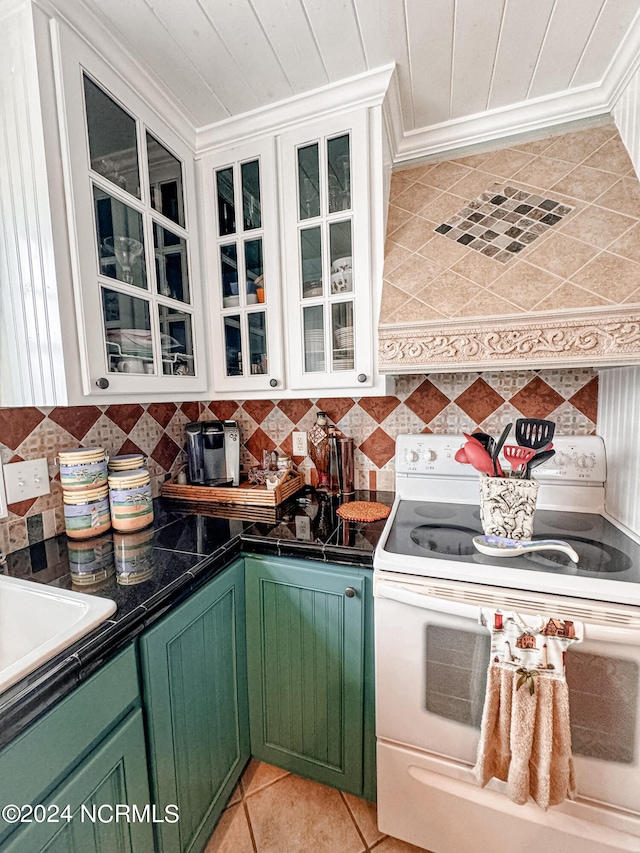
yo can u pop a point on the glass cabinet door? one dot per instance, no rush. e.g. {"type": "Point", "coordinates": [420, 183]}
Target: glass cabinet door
{"type": "Point", "coordinates": [141, 242]}
{"type": "Point", "coordinates": [327, 244]}
{"type": "Point", "coordinates": [245, 290]}
{"type": "Point", "coordinates": [326, 254]}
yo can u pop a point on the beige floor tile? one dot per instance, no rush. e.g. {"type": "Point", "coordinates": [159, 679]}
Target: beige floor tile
{"type": "Point", "coordinates": [394, 845]}
{"type": "Point", "coordinates": [232, 833]}
{"type": "Point", "coordinates": [366, 816]}
{"type": "Point", "coordinates": [296, 816]}
{"type": "Point", "coordinates": [258, 775]}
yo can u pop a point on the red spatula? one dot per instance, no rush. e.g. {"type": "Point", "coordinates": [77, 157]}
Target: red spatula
{"type": "Point", "coordinates": [518, 456]}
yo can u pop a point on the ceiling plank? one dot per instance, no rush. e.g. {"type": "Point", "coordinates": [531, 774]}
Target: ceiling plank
{"type": "Point", "coordinates": [245, 41]}
{"type": "Point", "coordinates": [566, 39]}
{"type": "Point", "coordinates": [287, 28]}
{"type": "Point", "coordinates": [384, 35]}
{"type": "Point", "coordinates": [159, 51]}
{"type": "Point", "coordinates": [477, 30]}
{"type": "Point", "coordinates": [430, 33]}
{"type": "Point", "coordinates": [613, 23]}
{"type": "Point", "coordinates": [338, 37]}
{"type": "Point", "coordinates": [523, 30]}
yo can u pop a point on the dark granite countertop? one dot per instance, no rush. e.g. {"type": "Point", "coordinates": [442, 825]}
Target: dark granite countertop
{"type": "Point", "coordinates": [163, 566]}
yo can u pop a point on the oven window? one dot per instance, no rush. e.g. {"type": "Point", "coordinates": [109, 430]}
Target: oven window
{"type": "Point", "coordinates": [603, 698]}
{"type": "Point", "coordinates": [603, 692]}
{"type": "Point", "coordinates": [456, 675]}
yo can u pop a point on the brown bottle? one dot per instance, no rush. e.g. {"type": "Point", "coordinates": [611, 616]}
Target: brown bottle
{"type": "Point", "coordinates": [319, 449]}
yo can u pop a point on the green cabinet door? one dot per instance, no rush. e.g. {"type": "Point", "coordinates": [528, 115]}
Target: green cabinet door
{"type": "Point", "coordinates": [115, 773]}
{"type": "Point", "coordinates": [194, 686]}
{"type": "Point", "coordinates": [306, 666]}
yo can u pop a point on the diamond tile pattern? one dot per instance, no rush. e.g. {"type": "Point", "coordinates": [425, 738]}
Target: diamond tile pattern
{"type": "Point", "coordinates": [558, 230]}
{"type": "Point", "coordinates": [503, 220]}
{"type": "Point", "coordinates": [442, 403]}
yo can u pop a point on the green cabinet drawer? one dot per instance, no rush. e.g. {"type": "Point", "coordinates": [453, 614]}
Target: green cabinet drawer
{"type": "Point", "coordinates": [40, 758]}
{"type": "Point", "coordinates": [306, 665]}
{"type": "Point", "coordinates": [194, 682]}
{"type": "Point", "coordinates": [115, 773]}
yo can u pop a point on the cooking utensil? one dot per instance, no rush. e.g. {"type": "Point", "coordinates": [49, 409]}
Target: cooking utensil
{"type": "Point", "coordinates": [473, 439]}
{"type": "Point", "coordinates": [479, 458]}
{"type": "Point", "coordinates": [497, 447]}
{"type": "Point", "coordinates": [498, 546]}
{"type": "Point", "coordinates": [534, 432]}
{"type": "Point", "coordinates": [538, 459]}
{"type": "Point", "coordinates": [486, 440]}
{"type": "Point", "coordinates": [461, 457]}
{"type": "Point", "coordinates": [518, 456]}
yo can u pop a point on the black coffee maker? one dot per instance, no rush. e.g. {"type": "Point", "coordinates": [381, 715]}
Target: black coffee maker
{"type": "Point", "coordinates": [213, 448]}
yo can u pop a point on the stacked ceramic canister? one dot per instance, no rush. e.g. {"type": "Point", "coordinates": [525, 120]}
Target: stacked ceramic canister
{"type": "Point", "coordinates": [98, 495]}
{"type": "Point", "coordinates": [129, 493]}
{"type": "Point", "coordinates": [85, 492]}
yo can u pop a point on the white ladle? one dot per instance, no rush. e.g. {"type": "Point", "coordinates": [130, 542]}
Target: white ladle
{"type": "Point", "coordinates": [498, 546]}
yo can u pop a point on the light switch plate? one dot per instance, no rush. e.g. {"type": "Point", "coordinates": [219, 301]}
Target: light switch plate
{"type": "Point", "coordinates": [299, 441]}
{"type": "Point", "coordinates": [24, 480]}
{"type": "Point", "coordinates": [4, 512]}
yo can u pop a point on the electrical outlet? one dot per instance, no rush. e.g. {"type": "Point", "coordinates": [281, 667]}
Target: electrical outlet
{"type": "Point", "coordinates": [24, 480]}
{"type": "Point", "coordinates": [299, 444]}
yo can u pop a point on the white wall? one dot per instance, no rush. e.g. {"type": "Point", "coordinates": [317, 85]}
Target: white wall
{"type": "Point", "coordinates": [619, 426]}
{"type": "Point", "coordinates": [626, 114]}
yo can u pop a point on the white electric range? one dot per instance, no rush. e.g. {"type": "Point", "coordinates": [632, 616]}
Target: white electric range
{"type": "Point", "coordinates": [432, 654]}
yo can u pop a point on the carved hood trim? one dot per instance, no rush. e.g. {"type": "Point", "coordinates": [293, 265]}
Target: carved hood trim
{"type": "Point", "coordinates": [597, 340]}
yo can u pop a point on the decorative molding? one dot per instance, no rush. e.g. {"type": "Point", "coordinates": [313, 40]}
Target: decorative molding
{"type": "Point", "coordinates": [499, 125]}
{"type": "Point", "coordinates": [363, 90]}
{"type": "Point", "coordinates": [593, 341]}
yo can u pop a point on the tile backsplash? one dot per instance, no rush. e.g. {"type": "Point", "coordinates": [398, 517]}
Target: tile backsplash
{"type": "Point", "coordinates": [439, 403]}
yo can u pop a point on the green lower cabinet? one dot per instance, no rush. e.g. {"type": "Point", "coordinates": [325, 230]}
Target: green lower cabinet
{"type": "Point", "coordinates": [309, 673]}
{"type": "Point", "coordinates": [195, 696]}
{"type": "Point", "coordinates": [81, 813]}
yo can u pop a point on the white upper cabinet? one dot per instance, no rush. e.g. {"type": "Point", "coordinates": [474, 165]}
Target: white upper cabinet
{"type": "Point", "coordinates": [240, 219]}
{"type": "Point", "coordinates": [294, 231]}
{"type": "Point", "coordinates": [133, 225]}
{"type": "Point", "coordinates": [327, 283]}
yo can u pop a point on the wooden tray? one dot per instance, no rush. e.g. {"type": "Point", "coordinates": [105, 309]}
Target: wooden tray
{"type": "Point", "coordinates": [246, 494]}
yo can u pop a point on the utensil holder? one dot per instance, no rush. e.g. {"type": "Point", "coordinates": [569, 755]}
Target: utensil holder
{"type": "Point", "coordinates": [507, 506]}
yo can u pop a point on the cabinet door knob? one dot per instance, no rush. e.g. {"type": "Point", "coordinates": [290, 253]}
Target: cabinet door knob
{"type": "Point", "coordinates": [362, 377]}
{"type": "Point", "coordinates": [102, 383]}
{"type": "Point", "coordinates": [273, 382]}
{"type": "Point", "coordinates": [349, 592]}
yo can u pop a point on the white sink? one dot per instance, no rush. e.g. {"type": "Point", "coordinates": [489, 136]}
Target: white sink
{"type": "Point", "coordinates": [37, 622]}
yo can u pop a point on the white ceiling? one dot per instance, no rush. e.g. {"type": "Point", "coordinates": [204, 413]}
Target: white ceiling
{"type": "Point", "coordinates": [455, 59]}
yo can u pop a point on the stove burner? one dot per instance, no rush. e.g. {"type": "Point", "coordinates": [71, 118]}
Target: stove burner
{"type": "Point", "coordinates": [445, 540]}
{"type": "Point", "coordinates": [567, 521]}
{"type": "Point", "coordinates": [436, 512]}
{"type": "Point", "coordinates": [595, 557]}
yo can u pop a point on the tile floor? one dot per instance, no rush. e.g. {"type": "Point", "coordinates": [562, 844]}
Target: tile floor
{"type": "Point", "coordinates": [272, 811]}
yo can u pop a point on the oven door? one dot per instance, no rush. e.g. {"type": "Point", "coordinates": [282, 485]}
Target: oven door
{"type": "Point", "coordinates": [431, 662]}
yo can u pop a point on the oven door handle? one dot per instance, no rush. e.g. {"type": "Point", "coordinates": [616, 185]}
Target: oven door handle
{"type": "Point", "coordinates": [411, 594]}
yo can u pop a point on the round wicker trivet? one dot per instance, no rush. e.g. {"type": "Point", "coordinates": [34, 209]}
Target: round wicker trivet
{"type": "Point", "coordinates": [363, 511]}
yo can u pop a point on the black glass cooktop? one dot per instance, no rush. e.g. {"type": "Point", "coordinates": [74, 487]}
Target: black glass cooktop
{"type": "Point", "coordinates": [445, 531]}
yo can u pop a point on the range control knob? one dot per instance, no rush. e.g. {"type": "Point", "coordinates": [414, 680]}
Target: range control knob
{"type": "Point", "coordinates": [562, 460]}
{"type": "Point", "coordinates": [430, 455]}
{"type": "Point", "coordinates": [585, 461]}
{"type": "Point", "coordinates": [411, 455]}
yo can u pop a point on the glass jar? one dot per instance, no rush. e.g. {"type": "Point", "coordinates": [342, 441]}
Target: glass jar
{"type": "Point", "coordinates": [319, 449]}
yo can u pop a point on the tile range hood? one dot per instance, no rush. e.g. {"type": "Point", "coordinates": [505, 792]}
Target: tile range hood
{"type": "Point", "coordinates": [525, 256]}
